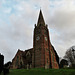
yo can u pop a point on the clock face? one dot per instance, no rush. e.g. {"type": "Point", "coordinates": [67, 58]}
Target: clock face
{"type": "Point", "coordinates": [37, 38]}
{"type": "Point", "coordinates": [46, 38]}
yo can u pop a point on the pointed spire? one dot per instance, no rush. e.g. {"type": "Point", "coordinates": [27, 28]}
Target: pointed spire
{"type": "Point", "coordinates": [40, 19]}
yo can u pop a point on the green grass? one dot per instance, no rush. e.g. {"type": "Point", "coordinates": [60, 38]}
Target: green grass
{"type": "Point", "coordinates": [42, 72]}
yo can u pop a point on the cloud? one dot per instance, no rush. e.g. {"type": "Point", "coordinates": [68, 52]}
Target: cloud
{"type": "Point", "coordinates": [7, 10]}
{"type": "Point", "coordinates": [63, 23]}
{"type": "Point", "coordinates": [0, 3]}
{"type": "Point", "coordinates": [16, 29]}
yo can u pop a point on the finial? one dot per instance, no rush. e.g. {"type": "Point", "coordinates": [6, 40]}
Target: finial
{"type": "Point", "coordinates": [40, 8]}
{"type": "Point", "coordinates": [46, 25]}
{"type": "Point", "coordinates": [35, 25]}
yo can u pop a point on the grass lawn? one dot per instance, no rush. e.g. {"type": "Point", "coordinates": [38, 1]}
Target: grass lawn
{"type": "Point", "coordinates": [42, 72]}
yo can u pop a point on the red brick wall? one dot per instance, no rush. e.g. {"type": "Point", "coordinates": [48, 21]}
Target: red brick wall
{"type": "Point", "coordinates": [43, 54]}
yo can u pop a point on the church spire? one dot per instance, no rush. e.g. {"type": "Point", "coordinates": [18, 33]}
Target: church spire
{"type": "Point", "coordinates": [40, 19]}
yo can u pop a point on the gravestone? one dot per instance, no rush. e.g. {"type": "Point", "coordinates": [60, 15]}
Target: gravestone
{"type": "Point", "coordinates": [27, 66]}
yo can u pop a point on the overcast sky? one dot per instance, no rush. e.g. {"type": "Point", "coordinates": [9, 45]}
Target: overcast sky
{"type": "Point", "coordinates": [17, 19]}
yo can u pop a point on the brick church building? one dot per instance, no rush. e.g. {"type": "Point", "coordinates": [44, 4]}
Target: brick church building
{"type": "Point", "coordinates": [42, 55]}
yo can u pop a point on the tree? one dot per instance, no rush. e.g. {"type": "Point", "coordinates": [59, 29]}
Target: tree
{"type": "Point", "coordinates": [63, 63]}
{"type": "Point", "coordinates": [70, 56]}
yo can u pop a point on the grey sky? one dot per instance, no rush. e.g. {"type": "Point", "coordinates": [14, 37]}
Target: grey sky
{"type": "Point", "coordinates": [18, 17]}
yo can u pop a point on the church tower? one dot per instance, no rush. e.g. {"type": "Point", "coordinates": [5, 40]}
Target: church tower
{"type": "Point", "coordinates": [43, 55]}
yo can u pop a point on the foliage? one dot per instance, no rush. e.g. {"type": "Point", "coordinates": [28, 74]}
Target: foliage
{"type": "Point", "coordinates": [70, 56]}
{"type": "Point", "coordinates": [63, 63]}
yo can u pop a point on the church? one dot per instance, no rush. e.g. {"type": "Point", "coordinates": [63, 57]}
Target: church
{"type": "Point", "coordinates": [42, 55]}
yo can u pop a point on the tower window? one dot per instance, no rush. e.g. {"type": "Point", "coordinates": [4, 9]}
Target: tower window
{"type": "Point", "coordinates": [47, 60]}
{"type": "Point", "coordinates": [40, 24]}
